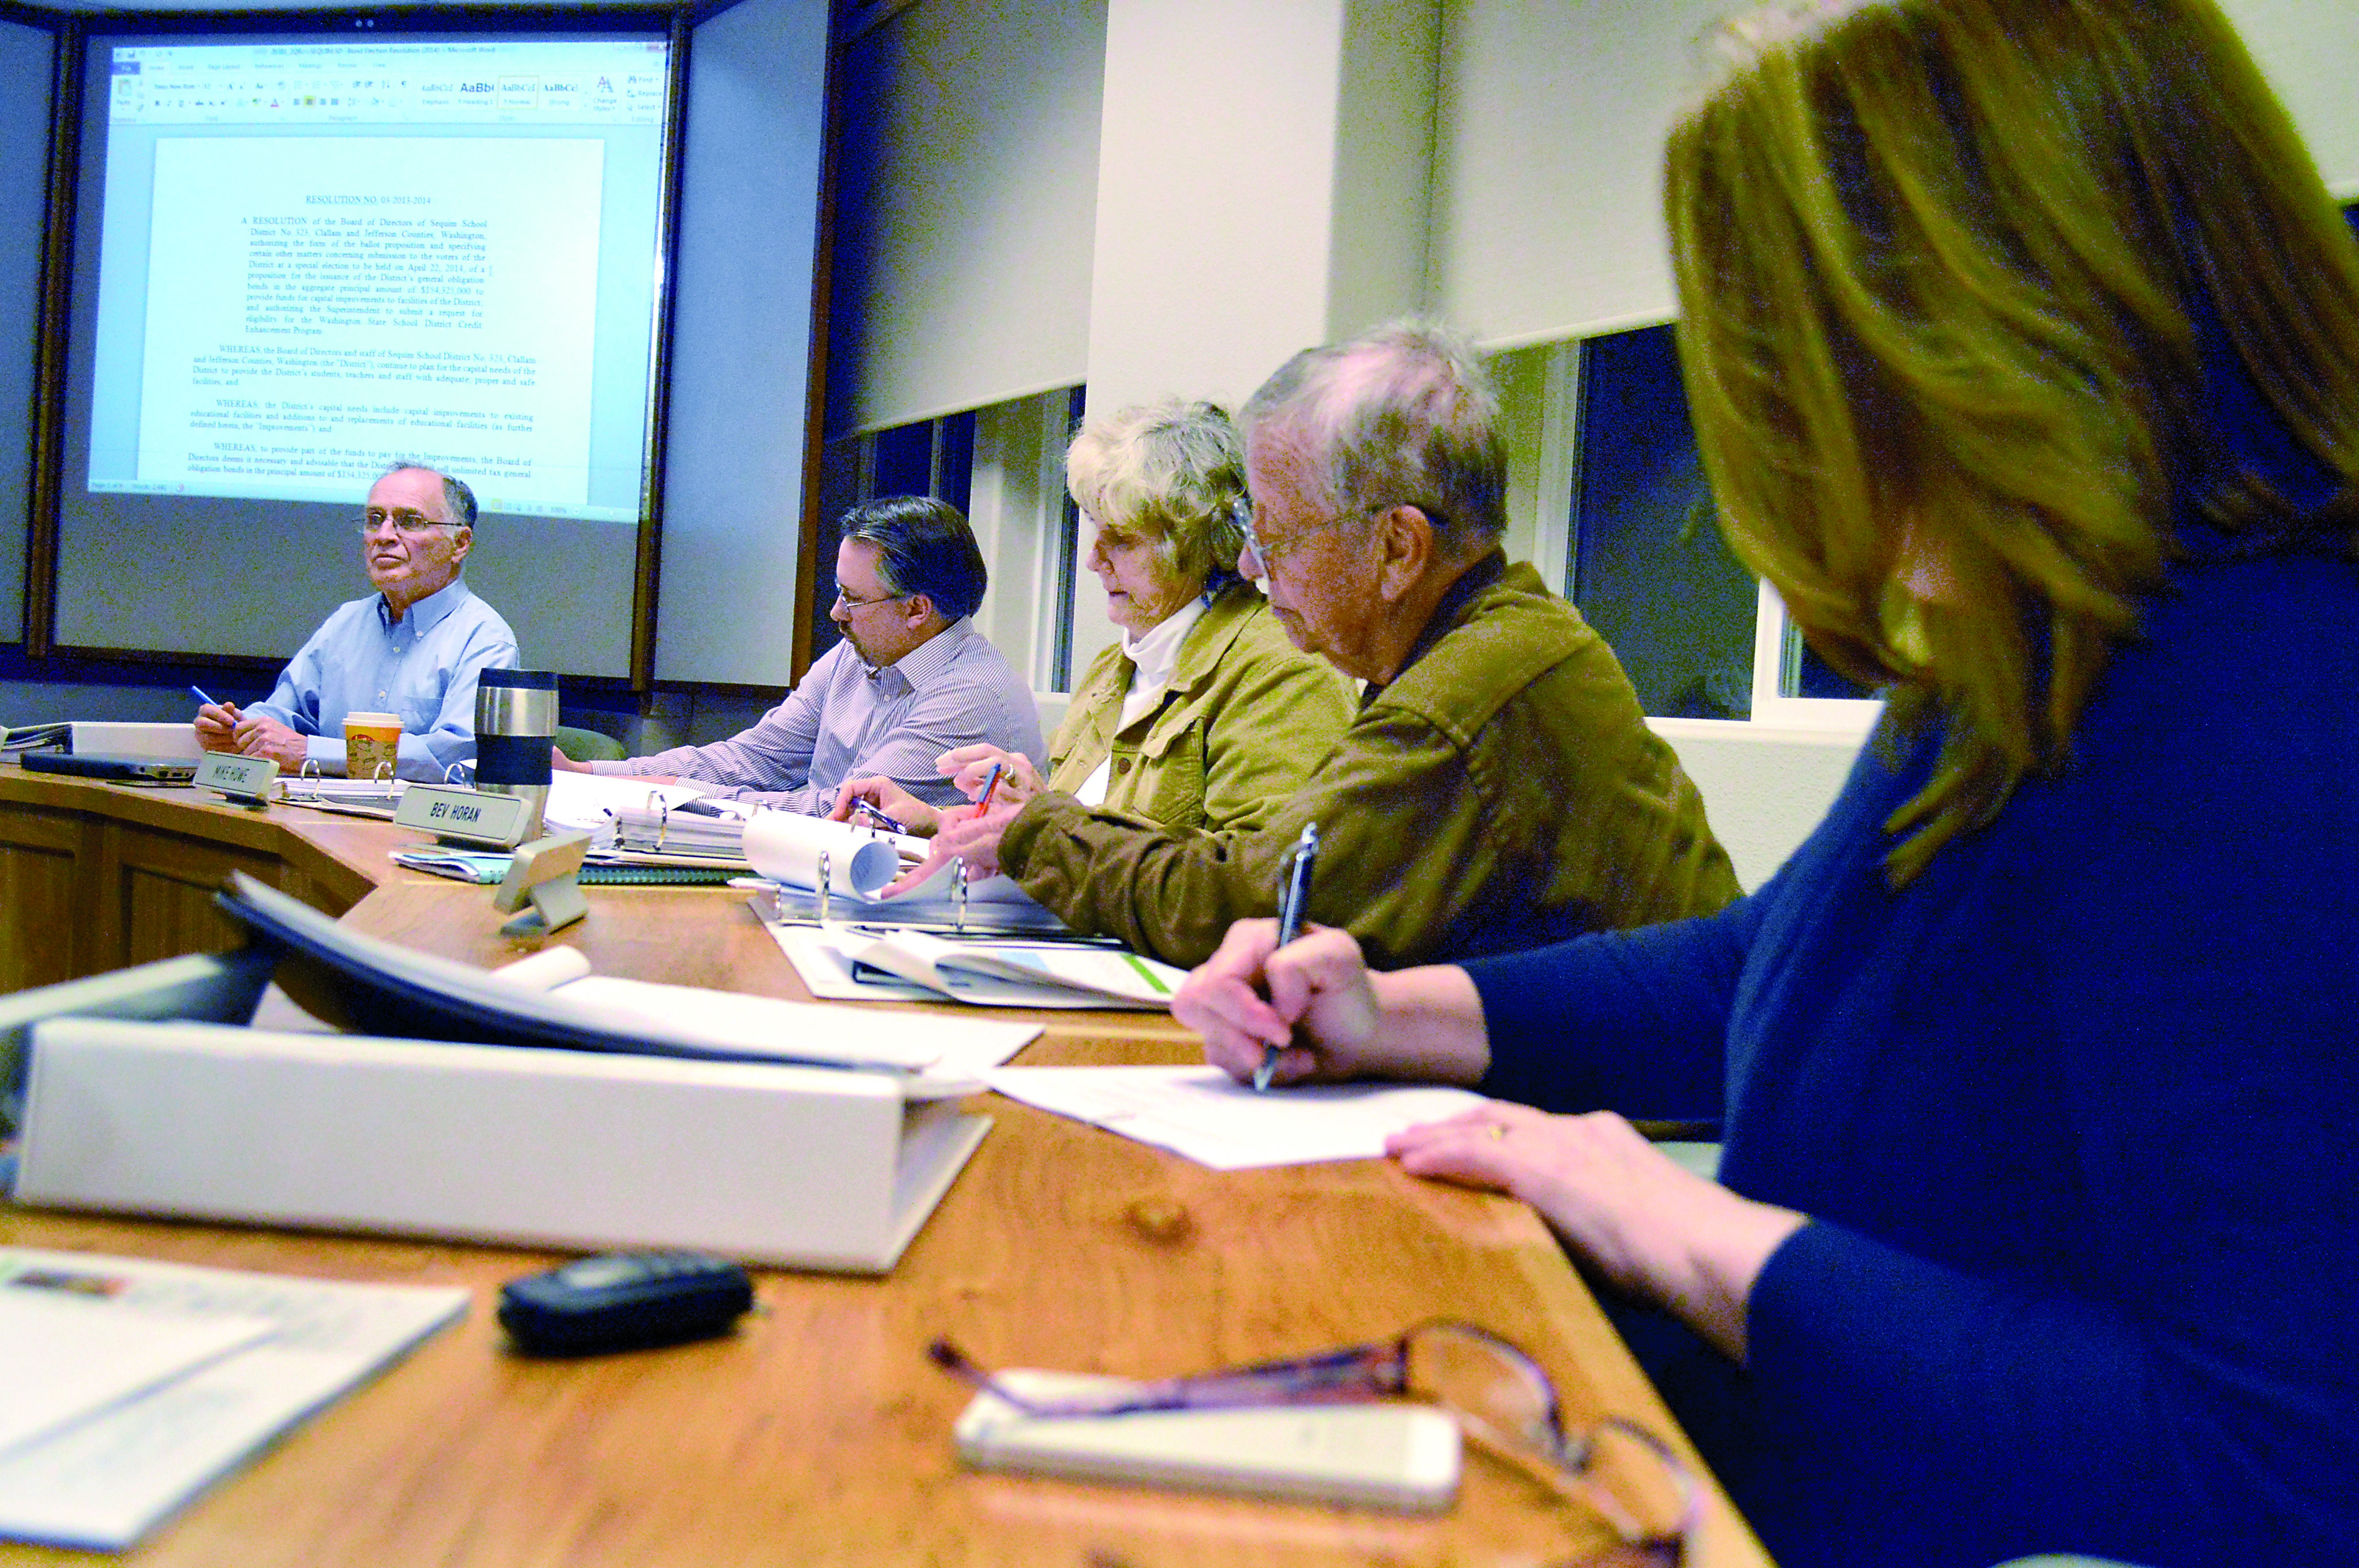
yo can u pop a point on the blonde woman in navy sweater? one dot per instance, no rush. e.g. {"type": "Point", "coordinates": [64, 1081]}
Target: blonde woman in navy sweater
{"type": "Point", "coordinates": [2023, 343]}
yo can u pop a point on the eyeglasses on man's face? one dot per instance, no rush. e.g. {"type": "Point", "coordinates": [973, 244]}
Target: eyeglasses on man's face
{"type": "Point", "coordinates": [1503, 1399]}
{"type": "Point", "coordinates": [849, 602]}
{"type": "Point", "coordinates": [406, 520]}
{"type": "Point", "coordinates": [1265, 554]}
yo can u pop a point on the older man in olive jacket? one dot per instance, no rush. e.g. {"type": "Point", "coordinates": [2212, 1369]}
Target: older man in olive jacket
{"type": "Point", "coordinates": [1499, 787]}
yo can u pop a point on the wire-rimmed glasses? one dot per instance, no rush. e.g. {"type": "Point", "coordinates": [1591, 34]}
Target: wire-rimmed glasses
{"type": "Point", "coordinates": [1265, 555]}
{"type": "Point", "coordinates": [850, 603]}
{"type": "Point", "coordinates": [1502, 1399]}
{"type": "Point", "coordinates": [404, 520]}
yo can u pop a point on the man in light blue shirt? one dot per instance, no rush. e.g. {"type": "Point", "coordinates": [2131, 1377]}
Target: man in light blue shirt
{"type": "Point", "coordinates": [413, 648]}
{"type": "Point", "coordinates": [912, 679]}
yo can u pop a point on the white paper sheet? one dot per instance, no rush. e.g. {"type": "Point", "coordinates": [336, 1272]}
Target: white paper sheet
{"type": "Point", "coordinates": [933, 1046]}
{"type": "Point", "coordinates": [1212, 1118]}
{"type": "Point", "coordinates": [107, 1481]}
{"type": "Point", "coordinates": [586, 800]}
{"type": "Point", "coordinates": [69, 1352]}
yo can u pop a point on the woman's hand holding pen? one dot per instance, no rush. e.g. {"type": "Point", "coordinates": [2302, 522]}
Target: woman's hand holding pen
{"type": "Point", "coordinates": [1321, 1012]}
{"type": "Point", "coordinates": [1330, 1018]}
{"type": "Point", "coordinates": [970, 769]}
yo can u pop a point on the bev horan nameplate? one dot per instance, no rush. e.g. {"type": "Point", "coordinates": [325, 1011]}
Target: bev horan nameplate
{"type": "Point", "coordinates": [465, 815]}
{"type": "Point", "coordinates": [246, 780]}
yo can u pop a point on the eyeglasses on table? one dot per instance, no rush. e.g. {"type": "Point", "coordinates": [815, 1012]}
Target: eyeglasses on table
{"type": "Point", "coordinates": [1502, 1399]}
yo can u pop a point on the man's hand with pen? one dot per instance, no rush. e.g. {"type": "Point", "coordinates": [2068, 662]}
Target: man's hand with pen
{"type": "Point", "coordinates": [224, 727]}
{"type": "Point", "coordinates": [217, 723]}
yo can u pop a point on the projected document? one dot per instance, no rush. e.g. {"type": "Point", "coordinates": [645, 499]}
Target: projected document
{"type": "Point", "coordinates": [316, 256]}
{"type": "Point", "coordinates": [320, 306]}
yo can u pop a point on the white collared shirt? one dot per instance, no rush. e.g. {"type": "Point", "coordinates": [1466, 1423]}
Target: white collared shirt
{"type": "Point", "coordinates": [1153, 654]}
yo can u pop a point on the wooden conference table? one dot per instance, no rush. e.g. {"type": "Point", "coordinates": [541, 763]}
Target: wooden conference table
{"type": "Point", "coordinates": [817, 1434]}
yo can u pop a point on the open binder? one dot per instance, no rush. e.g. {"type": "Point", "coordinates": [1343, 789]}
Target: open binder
{"type": "Point", "coordinates": [379, 988]}
{"type": "Point", "coordinates": [542, 1106]}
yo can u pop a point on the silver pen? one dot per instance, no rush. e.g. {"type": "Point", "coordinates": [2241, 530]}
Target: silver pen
{"type": "Point", "coordinates": [1290, 903]}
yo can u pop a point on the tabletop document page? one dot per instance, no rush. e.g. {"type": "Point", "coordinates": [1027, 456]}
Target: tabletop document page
{"type": "Point", "coordinates": [258, 1352]}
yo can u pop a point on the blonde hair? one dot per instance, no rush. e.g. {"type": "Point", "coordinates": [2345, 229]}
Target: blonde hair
{"type": "Point", "coordinates": [1941, 268]}
{"type": "Point", "coordinates": [1172, 474]}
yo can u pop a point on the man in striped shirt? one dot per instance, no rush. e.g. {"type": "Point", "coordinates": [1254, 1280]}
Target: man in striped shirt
{"type": "Point", "coordinates": [912, 679]}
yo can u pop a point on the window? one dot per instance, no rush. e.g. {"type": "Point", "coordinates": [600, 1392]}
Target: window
{"type": "Point", "coordinates": [1003, 467]}
{"type": "Point", "coordinates": [1641, 555]}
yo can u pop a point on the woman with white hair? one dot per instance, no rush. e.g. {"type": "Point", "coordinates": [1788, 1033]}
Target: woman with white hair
{"type": "Point", "coordinates": [1204, 715]}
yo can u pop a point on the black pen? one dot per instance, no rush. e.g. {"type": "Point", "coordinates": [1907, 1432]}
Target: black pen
{"type": "Point", "coordinates": [1289, 925]}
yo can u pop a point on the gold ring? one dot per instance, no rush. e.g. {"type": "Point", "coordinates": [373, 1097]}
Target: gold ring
{"type": "Point", "coordinates": [1496, 1132]}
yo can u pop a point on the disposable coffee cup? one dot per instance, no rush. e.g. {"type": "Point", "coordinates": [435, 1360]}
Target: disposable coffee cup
{"type": "Point", "coordinates": [371, 745]}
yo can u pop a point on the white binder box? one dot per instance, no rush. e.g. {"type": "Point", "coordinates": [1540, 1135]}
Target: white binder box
{"type": "Point", "coordinates": [137, 739]}
{"type": "Point", "coordinates": [795, 1166]}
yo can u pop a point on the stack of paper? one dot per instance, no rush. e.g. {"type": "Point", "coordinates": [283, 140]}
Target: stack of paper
{"type": "Point", "coordinates": [717, 832]}
{"type": "Point", "coordinates": [1204, 1113]}
{"type": "Point", "coordinates": [134, 1385]}
{"type": "Point", "coordinates": [593, 801]}
{"type": "Point", "coordinates": [863, 962]}
{"type": "Point", "coordinates": [943, 1057]}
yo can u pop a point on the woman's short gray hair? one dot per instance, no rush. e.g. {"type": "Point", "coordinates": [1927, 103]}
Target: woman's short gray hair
{"type": "Point", "coordinates": [1172, 474]}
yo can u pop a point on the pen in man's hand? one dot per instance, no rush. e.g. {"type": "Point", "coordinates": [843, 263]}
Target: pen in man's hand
{"type": "Point", "coordinates": [1289, 925]}
{"type": "Point", "coordinates": [207, 699]}
{"type": "Point", "coordinates": [990, 783]}
{"type": "Point", "coordinates": [863, 808]}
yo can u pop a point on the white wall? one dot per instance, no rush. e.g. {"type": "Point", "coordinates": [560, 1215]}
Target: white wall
{"type": "Point", "coordinates": [1547, 204]}
{"type": "Point", "coordinates": [1763, 788]}
{"type": "Point", "coordinates": [741, 353]}
{"type": "Point", "coordinates": [1547, 201]}
{"type": "Point", "coordinates": [2310, 51]}
{"type": "Point", "coordinates": [1261, 187]}
{"type": "Point", "coordinates": [967, 198]}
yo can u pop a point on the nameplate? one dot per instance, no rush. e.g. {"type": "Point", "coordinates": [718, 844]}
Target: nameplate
{"type": "Point", "coordinates": [243, 778]}
{"type": "Point", "coordinates": [464, 816]}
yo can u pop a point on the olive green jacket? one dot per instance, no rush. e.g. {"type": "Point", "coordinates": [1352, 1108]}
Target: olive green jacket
{"type": "Point", "coordinates": [1245, 716]}
{"type": "Point", "coordinates": [1502, 792]}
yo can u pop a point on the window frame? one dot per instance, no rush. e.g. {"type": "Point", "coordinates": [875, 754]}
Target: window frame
{"type": "Point", "coordinates": [1544, 439]}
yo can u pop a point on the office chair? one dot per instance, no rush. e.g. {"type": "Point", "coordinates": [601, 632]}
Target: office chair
{"type": "Point", "coordinates": [589, 745]}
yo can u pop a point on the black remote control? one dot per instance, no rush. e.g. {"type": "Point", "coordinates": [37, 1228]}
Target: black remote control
{"type": "Point", "coordinates": [624, 1301]}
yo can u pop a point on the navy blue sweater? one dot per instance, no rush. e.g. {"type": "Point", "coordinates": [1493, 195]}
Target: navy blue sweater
{"type": "Point", "coordinates": [2075, 1115]}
